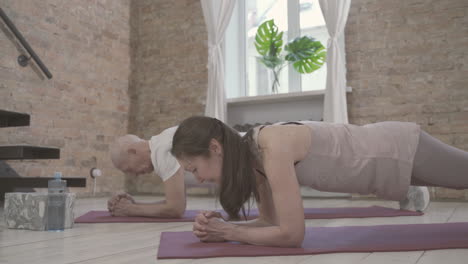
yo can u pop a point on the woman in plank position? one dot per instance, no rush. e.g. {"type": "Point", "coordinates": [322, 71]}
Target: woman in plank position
{"type": "Point", "coordinates": [270, 163]}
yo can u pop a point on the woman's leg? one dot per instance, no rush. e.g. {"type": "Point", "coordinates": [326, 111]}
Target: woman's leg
{"type": "Point", "coordinates": [439, 164]}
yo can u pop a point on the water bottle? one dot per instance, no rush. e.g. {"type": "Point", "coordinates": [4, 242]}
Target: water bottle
{"type": "Point", "coordinates": [57, 189]}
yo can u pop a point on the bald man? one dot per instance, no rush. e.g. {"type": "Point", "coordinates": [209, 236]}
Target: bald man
{"type": "Point", "coordinates": [133, 155]}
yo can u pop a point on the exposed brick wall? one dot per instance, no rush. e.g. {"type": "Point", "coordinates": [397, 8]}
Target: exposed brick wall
{"type": "Point", "coordinates": [169, 74]}
{"type": "Point", "coordinates": [407, 60]}
{"type": "Point", "coordinates": [85, 45]}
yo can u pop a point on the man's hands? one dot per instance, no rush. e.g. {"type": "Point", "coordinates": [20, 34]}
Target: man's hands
{"type": "Point", "coordinates": [120, 204]}
{"type": "Point", "coordinates": [210, 226]}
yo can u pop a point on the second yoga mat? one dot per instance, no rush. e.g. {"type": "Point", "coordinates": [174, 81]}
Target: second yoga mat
{"type": "Point", "coordinates": [309, 213]}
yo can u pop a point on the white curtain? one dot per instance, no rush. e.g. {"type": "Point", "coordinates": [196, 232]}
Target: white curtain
{"type": "Point", "coordinates": [217, 14]}
{"type": "Point", "coordinates": [335, 13]}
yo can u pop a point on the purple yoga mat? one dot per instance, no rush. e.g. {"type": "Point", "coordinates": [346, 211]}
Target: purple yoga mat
{"type": "Point", "coordinates": [309, 213]}
{"type": "Point", "coordinates": [319, 240]}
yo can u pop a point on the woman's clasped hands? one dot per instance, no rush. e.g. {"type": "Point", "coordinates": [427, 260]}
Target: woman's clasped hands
{"type": "Point", "coordinates": [210, 226]}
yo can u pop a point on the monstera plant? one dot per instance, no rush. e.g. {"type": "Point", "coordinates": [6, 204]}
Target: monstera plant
{"type": "Point", "coordinates": [305, 53]}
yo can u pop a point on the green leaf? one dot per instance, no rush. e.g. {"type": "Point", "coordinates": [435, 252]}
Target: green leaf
{"type": "Point", "coordinates": [268, 41]}
{"type": "Point", "coordinates": [306, 54]}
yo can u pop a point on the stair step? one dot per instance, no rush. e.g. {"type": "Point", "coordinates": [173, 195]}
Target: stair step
{"type": "Point", "coordinates": [28, 152]}
{"type": "Point", "coordinates": [13, 119]}
{"type": "Point", "coordinates": [38, 182]}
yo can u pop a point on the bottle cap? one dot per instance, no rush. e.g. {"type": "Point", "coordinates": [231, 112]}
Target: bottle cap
{"type": "Point", "coordinates": [58, 175]}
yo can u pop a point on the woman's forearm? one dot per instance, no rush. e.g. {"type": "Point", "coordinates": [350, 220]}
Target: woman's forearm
{"type": "Point", "coordinates": [264, 236]}
{"type": "Point", "coordinates": [257, 222]}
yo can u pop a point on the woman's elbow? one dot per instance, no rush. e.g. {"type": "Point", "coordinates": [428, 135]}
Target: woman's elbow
{"type": "Point", "coordinates": [293, 239]}
{"type": "Point", "coordinates": [296, 241]}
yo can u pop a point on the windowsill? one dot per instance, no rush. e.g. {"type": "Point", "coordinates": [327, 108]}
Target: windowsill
{"type": "Point", "coordinates": [274, 98]}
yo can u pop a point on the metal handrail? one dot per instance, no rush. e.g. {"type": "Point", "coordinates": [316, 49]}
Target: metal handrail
{"type": "Point", "coordinates": [25, 44]}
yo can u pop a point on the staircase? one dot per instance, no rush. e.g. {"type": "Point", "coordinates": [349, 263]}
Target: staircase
{"type": "Point", "coordinates": [10, 181]}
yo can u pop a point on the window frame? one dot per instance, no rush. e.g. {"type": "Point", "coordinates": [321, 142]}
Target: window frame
{"type": "Point", "coordinates": [236, 76]}
{"type": "Point", "coordinates": [236, 81]}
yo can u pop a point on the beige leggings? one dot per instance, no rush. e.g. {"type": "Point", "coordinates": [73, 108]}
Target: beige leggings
{"type": "Point", "coordinates": [439, 164]}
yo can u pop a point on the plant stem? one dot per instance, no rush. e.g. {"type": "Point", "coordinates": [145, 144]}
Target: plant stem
{"type": "Point", "coordinates": [276, 81]}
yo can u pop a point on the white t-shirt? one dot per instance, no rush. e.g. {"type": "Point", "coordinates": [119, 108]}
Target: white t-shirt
{"type": "Point", "coordinates": [164, 164]}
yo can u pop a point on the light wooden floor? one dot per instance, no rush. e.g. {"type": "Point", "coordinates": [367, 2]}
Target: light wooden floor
{"type": "Point", "coordinates": [138, 243]}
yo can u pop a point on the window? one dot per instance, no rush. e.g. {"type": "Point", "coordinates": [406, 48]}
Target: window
{"type": "Point", "coordinates": [245, 76]}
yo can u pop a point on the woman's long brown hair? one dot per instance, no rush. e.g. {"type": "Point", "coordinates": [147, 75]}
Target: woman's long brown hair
{"type": "Point", "coordinates": [238, 182]}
